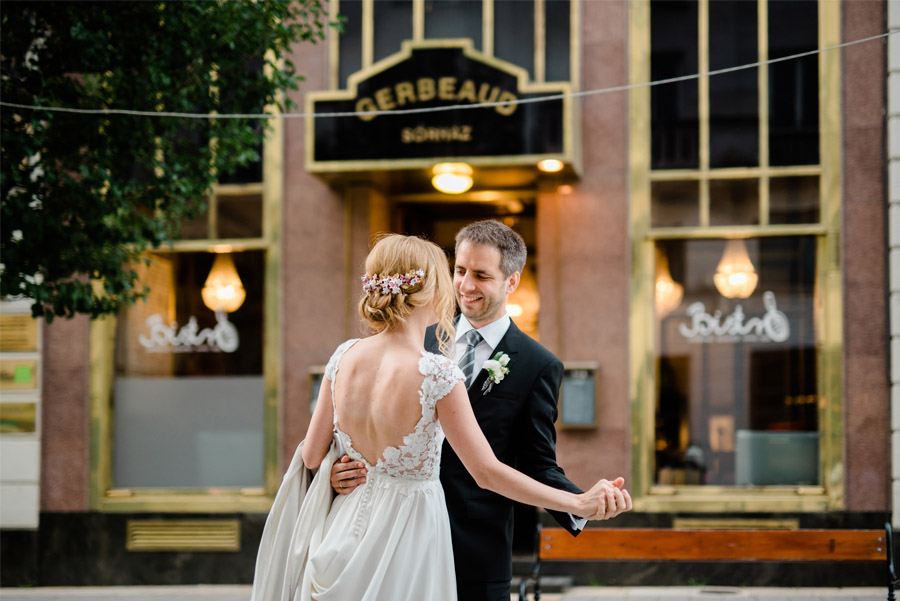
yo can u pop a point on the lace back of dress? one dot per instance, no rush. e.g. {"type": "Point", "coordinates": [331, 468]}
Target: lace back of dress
{"type": "Point", "coordinates": [418, 457]}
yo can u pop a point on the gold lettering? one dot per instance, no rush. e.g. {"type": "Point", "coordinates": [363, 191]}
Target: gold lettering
{"type": "Point", "coordinates": [426, 89]}
{"type": "Point", "coordinates": [423, 135]}
{"type": "Point", "coordinates": [488, 93]}
{"type": "Point", "coordinates": [365, 105]}
{"type": "Point", "coordinates": [467, 91]}
{"type": "Point", "coordinates": [385, 99]}
{"type": "Point", "coordinates": [446, 88]}
{"type": "Point", "coordinates": [506, 109]}
{"type": "Point", "coordinates": [405, 92]}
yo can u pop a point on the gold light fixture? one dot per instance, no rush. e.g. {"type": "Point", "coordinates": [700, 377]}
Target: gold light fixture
{"type": "Point", "coordinates": [668, 292]}
{"type": "Point", "coordinates": [735, 276]}
{"type": "Point", "coordinates": [451, 178]}
{"type": "Point", "coordinates": [550, 165]}
{"type": "Point", "coordinates": [223, 290]}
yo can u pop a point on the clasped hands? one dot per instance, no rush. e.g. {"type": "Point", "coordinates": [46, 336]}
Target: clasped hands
{"type": "Point", "coordinates": [605, 500]}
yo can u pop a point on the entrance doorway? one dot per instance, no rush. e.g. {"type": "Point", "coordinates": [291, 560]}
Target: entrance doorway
{"type": "Point", "coordinates": [439, 218]}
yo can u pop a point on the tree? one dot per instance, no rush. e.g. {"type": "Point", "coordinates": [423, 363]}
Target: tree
{"type": "Point", "coordinates": [82, 197]}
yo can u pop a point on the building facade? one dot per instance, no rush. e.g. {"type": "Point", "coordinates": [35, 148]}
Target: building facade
{"type": "Point", "coordinates": [708, 257]}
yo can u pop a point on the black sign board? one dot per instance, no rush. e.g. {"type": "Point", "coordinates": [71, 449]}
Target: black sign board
{"type": "Point", "coordinates": [437, 74]}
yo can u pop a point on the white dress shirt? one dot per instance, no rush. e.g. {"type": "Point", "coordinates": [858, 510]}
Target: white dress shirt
{"type": "Point", "coordinates": [491, 335]}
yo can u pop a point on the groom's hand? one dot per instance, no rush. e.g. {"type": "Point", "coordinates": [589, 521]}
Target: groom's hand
{"type": "Point", "coordinates": [346, 475]}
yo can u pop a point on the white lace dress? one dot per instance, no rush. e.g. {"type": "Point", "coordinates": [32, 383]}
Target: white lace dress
{"type": "Point", "coordinates": [389, 540]}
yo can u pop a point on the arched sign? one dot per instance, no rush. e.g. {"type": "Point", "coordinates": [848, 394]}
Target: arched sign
{"type": "Point", "coordinates": [438, 73]}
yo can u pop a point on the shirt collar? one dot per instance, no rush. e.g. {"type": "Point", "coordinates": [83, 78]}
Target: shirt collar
{"type": "Point", "coordinates": [492, 333]}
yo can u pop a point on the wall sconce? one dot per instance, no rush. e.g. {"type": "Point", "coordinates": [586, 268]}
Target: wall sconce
{"type": "Point", "coordinates": [451, 178]}
{"type": "Point", "coordinates": [735, 276]}
{"type": "Point", "coordinates": [223, 290]}
{"type": "Point", "coordinates": [668, 292]}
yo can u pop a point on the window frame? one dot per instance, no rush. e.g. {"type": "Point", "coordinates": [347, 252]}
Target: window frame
{"type": "Point", "coordinates": [103, 496]}
{"type": "Point", "coordinates": [828, 308]}
{"type": "Point", "coordinates": [367, 38]}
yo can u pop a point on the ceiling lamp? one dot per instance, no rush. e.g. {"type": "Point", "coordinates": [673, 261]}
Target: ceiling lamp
{"type": "Point", "coordinates": [223, 290]}
{"type": "Point", "coordinates": [550, 165]}
{"type": "Point", "coordinates": [668, 292]}
{"type": "Point", "coordinates": [735, 276]}
{"type": "Point", "coordinates": [451, 178]}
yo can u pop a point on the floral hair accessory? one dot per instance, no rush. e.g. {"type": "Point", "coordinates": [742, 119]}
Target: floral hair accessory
{"type": "Point", "coordinates": [393, 284]}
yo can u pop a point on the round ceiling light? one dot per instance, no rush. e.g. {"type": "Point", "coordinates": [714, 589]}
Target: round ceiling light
{"type": "Point", "coordinates": [550, 165]}
{"type": "Point", "coordinates": [451, 178]}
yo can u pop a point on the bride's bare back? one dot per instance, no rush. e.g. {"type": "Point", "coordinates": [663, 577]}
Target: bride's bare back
{"type": "Point", "coordinates": [376, 395]}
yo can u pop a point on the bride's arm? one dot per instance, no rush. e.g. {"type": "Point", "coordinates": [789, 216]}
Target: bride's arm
{"type": "Point", "coordinates": [467, 439]}
{"type": "Point", "coordinates": [319, 434]}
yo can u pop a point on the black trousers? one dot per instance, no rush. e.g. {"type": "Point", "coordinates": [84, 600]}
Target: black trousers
{"type": "Point", "coordinates": [482, 591]}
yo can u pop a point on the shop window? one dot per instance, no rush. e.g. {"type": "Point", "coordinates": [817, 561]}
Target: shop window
{"type": "Point", "coordinates": [733, 102]}
{"type": "Point", "coordinates": [188, 389]}
{"type": "Point", "coordinates": [393, 24]}
{"type": "Point", "coordinates": [675, 133]}
{"type": "Point", "coordinates": [793, 85]}
{"type": "Point", "coordinates": [794, 200]}
{"type": "Point", "coordinates": [454, 19]}
{"type": "Point", "coordinates": [509, 33]}
{"type": "Point", "coordinates": [675, 203]}
{"type": "Point", "coordinates": [734, 202]}
{"type": "Point", "coordinates": [557, 21]}
{"type": "Point", "coordinates": [736, 397]}
{"type": "Point", "coordinates": [513, 33]}
{"type": "Point", "coordinates": [350, 40]}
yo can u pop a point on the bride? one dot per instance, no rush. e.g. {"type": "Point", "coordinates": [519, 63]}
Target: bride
{"type": "Point", "coordinates": [388, 403]}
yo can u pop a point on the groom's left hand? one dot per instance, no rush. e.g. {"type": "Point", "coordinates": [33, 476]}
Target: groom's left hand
{"type": "Point", "coordinates": [346, 475]}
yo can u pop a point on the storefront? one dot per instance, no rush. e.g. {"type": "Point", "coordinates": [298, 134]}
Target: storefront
{"type": "Point", "coordinates": [706, 256]}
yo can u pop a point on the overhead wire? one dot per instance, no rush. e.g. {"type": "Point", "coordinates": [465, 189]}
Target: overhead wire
{"type": "Point", "coordinates": [451, 107]}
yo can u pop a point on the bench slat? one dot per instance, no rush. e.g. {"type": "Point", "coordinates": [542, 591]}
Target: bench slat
{"type": "Point", "coordinates": [713, 545]}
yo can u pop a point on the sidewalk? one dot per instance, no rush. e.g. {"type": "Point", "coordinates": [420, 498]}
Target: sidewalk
{"type": "Point", "coordinates": [584, 593]}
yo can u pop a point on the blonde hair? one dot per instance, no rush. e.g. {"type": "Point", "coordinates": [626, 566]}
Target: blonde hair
{"type": "Point", "coordinates": [396, 254]}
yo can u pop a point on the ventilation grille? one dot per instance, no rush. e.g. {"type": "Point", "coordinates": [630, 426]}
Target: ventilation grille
{"type": "Point", "coordinates": [183, 535]}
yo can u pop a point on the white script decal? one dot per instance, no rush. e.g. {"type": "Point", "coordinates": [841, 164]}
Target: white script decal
{"type": "Point", "coordinates": [190, 339]}
{"type": "Point", "coordinates": [773, 326]}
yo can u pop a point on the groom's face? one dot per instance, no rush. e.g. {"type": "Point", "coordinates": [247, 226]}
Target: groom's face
{"type": "Point", "coordinates": [481, 287]}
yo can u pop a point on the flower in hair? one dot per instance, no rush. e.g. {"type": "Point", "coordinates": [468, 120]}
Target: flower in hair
{"type": "Point", "coordinates": [394, 283]}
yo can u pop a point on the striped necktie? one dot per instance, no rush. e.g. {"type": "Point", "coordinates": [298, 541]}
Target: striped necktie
{"type": "Point", "coordinates": [467, 361]}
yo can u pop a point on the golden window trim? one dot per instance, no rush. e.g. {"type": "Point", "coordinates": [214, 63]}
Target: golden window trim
{"type": "Point", "coordinates": [828, 309]}
{"type": "Point", "coordinates": [102, 495]}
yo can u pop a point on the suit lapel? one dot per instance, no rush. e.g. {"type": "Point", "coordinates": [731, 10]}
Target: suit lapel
{"type": "Point", "coordinates": [509, 345]}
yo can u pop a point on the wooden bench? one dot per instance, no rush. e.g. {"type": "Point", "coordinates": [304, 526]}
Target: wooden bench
{"type": "Point", "coordinates": [654, 544]}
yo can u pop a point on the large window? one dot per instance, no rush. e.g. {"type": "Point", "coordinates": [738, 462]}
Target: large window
{"type": "Point", "coordinates": [533, 34]}
{"type": "Point", "coordinates": [189, 387]}
{"type": "Point", "coordinates": [185, 384]}
{"type": "Point", "coordinates": [735, 215]}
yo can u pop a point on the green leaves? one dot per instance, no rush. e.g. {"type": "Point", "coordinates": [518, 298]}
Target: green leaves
{"type": "Point", "coordinates": [82, 197]}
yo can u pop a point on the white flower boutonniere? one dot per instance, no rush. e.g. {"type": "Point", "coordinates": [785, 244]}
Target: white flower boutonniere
{"type": "Point", "coordinates": [497, 369]}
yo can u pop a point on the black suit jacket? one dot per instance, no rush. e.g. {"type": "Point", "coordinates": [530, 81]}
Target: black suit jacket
{"type": "Point", "coordinates": [517, 417]}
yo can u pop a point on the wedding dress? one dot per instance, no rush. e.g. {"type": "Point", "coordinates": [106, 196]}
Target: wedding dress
{"type": "Point", "coordinates": [389, 539]}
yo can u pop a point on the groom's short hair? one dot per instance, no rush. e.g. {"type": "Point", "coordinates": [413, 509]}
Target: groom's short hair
{"type": "Point", "coordinates": [493, 233]}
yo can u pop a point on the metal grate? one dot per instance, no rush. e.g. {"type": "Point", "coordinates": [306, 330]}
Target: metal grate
{"type": "Point", "coordinates": [183, 535]}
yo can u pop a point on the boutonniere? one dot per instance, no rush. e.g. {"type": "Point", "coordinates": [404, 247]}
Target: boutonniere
{"type": "Point", "coordinates": [497, 370]}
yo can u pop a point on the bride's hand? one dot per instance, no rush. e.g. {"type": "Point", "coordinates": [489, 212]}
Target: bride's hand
{"type": "Point", "coordinates": [346, 475]}
{"type": "Point", "coordinates": [605, 500]}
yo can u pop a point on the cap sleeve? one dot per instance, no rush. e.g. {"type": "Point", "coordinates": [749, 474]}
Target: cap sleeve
{"type": "Point", "coordinates": [332, 366]}
{"type": "Point", "coordinates": [441, 375]}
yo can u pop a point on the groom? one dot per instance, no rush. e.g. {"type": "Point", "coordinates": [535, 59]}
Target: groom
{"type": "Point", "coordinates": [517, 414]}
